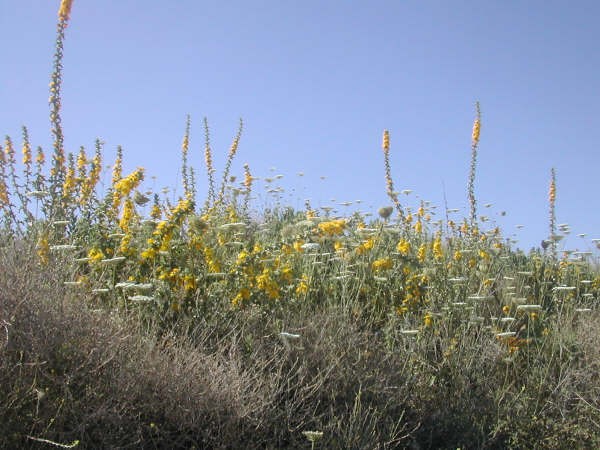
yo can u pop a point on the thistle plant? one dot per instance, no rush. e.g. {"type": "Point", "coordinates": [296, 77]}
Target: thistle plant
{"type": "Point", "coordinates": [474, 146]}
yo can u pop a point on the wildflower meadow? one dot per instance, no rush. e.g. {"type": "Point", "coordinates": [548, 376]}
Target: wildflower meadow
{"type": "Point", "coordinates": [130, 320]}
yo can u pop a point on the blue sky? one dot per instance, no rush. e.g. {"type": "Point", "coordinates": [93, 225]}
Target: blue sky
{"type": "Point", "coordinates": [317, 82]}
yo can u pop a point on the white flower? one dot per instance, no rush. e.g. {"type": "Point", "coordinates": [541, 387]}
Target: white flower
{"type": "Point", "coordinates": [287, 335]}
{"type": "Point", "coordinates": [113, 261]}
{"type": "Point", "coordinates": [37, 194]}
{"type": "Point", "coordinates": [563, 288]}
{"type": "Point", "coordinates": [141, 298]}
{"type": "Point", "coordinates": [63, 247]}
{"type": "Point", "coordinates": [310, 246]}
{"type": "Point", "coordinates": [409, 332]}
{"type": "Point", "coordinates": [529, 308]}
{"type": "Point", "coordinates": [313, 436]}
{"type": "Point", "coordinates": [506, 334]}
{"type": "Point", "coordinates": [480, 297]}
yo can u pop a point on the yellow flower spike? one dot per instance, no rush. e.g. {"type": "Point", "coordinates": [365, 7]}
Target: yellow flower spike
{"type": "Point", "coordinates": [127, 216]}
{"type": "Point", "coordinates": [302, 288]}
{"type": "Point", "coordinates": [382, 264]}
{"type": "Point", "coordinates": [39, 157]}
{"type": "Point", "coordinates": [428, 320]}
{"type": "Point", "coordinates": [422, 253]}
{"type": "Point", "coordinates": [438, 252]}
{"type": "Point", "coordinates": [484, 255]}
{"type": "Point", "coordinates": [43, 249]}
{"type": "Point", "coordinates": [64, 13]}
{"type": "Point", "coordinates": [332, 227]}
{"type": "Point", "coordinates": [403, 247]}
{"type": "Point", "coordinates": [298, 246]}
{"type": "Point", "coordinates": [476, 131]}
{"type": "Point", "coordinates": [386, 140]}
{"type": "Point", "coordinates": [27, 158]}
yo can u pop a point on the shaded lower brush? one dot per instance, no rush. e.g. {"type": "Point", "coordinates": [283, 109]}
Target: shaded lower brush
{"type": "Point", "coordinates": [76, 372]}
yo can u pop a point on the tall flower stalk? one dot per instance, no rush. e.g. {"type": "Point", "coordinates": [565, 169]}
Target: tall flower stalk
{"type": "Point", "coordinates": [210, 170]}
{"type": "Point", "coordinates": [474, 146]}
{"type": "Point", "coordinates": [552, 211]}
{"type": "Point", "coordinates": [58, 170]}
{"type": "Point", "coordinates": [185, 174]}
{"type": "Point", "coordinates": [232, 152]}
{"type": "Point", "coordinates": [388, 174]}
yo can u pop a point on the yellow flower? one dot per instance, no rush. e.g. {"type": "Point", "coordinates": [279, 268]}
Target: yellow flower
{"type": "Point", "coordinates": [26, 154]}
{"type": "Point", "coordinates": [286, 273]}
{"type": "Point", "coordinates": [476, 131]}
{"type": "Point", "coordinates": [310, 214]}
{"type": "Point", "coordinates": [40, 158]}
{"type": "Point", "coordinates": [332, 227]}
{"type": "Point", "coordinates": [298, 246]}
{"type": "Point", "coordinates": [149, 253]}
{"type": "Point", "coordinates": [265, 282]}
{"type": "Point", "coordinates": [241, 258]}
{"type": "Point", "coordinates": [365, 246]}
{"type": "Point", "coordinates": [65, 10]}
{"type": "Point", "coordinates": [418, 226]}
{"type": "Point", "coordinates": [96, 255]}
{"type": "Point", "coordinates": [437, 248]}
{"type": "Point", "coordinates": [386, 140]}
{"type": "Point", "coordinates": [302, 287]}
{"type": "Point", "coordinates": [428, 320]}
{"type": "Point", "coordinates": [128, 215]}
{"type": "Point", "coordinates": [125, 246]}
{"type": "Point", "coordinates": [338, 246]}
{"type": "Point", "coordinates": [484, 255]}
{"type": "Point", "coordinates": [457, 255]}
{"type": "Point", "coordinates": [189, 283]}
{"type": "Point", "coordinates": [422, 253]}
{"type": "Point", "coordinates": [382, 264]}
{"type": "Point", "coordinates": [43, 250]}
{"type": "Point", "coordinates": [403, 247]}
{"type": "Point", "coordinates": [155, 213]}
{"type": "Point", "coordinates": [243, 294]}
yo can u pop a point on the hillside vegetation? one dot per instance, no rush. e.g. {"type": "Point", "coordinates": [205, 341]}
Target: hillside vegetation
{"type": "Point", "coordinates": [129, 320]}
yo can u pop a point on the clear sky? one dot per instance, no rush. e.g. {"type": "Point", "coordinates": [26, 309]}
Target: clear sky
{"type": "Point", "coordinates": [317, 82]}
